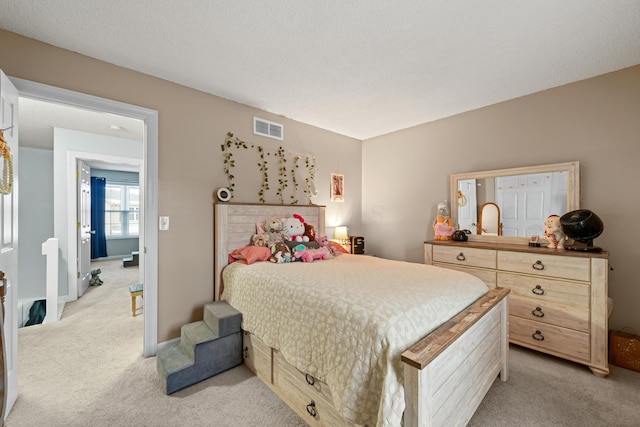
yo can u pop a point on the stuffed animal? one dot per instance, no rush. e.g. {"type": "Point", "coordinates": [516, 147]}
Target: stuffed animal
{"type": "Point", "coordinates": [553, 232]}
{"type": "Point", "coordinates": [296, 249]}
{"type": "Point", "coordinates": [308, 255]}
{"type": "Point", "coordinates": [293, 228]}
{"type": "Point", "coordinates": [260, 240]}
{"type": "Point", "coordinates": [95, 278]}
{"type": "Point", "coordinates": [443, 226]}
{"type": "Point", "coordinates": [324, 242]}
{"type": "Point", "coordinates": [310, 232]}
{"type": "Point", "coordinates": [273, 228]}
{"type": "Point", "coordinates": [280, 253]}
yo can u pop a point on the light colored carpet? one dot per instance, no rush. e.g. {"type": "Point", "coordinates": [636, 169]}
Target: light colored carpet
{"type": "Point", "coordinates": [547, 391]}
{"type": "Point", "coordinates": [87, 370]}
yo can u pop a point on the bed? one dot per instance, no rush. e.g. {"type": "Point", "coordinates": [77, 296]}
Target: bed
{"type": "Point", "coordinates": [357, 340]}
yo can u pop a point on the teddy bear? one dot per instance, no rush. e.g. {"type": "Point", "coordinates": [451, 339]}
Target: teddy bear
{"type": "Point", "coordinates": [260, 240]}
{"type": "Point", "coordinates": [324, 242]}
{"type": "Point", "coordinates": [273, 228]}
{"type": "Point", "coordinates": [280, 253]}
{"type": "Point", "coordinates": [310, 232]}
{"type": "Point", "coordinates": [443, 226]}
{"type": "Point", "coordinates": [293, 228]}
{"type": "Point", "coordinates": [553, 232]}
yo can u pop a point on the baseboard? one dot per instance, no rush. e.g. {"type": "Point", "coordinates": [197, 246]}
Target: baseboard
{"type": "Point", "coordinates": [169, 343]}
{"type": "Point", "coordinates": [111, 257]}
{"type": "Point", "coordinates": [60, 309]}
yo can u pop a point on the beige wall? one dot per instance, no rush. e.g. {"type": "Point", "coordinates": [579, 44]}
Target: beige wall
{"type": "Point", "coordinates": [192, 126]}
{"type": "Point", "coordinates": [404, 174]}
{"type": "Point", "coordinates": [595, 121]}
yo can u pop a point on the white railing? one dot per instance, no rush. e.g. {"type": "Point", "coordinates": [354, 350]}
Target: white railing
{"type": "Point", "coordinates": [50, 251]}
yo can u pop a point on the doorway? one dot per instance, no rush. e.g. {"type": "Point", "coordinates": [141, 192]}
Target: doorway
{"type": "Point", "coordinates": [148, 170]}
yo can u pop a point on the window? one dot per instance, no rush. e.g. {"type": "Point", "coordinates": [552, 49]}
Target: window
{"type": "Point", "coordinates": [122, 210]}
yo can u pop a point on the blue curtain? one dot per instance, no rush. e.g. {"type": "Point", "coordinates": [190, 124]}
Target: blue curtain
{"type": "Point", "coordinates": [99, 239]}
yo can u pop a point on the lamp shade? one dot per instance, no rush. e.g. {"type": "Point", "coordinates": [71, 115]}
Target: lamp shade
{"type": "Point", "coordinates": [341, 233]}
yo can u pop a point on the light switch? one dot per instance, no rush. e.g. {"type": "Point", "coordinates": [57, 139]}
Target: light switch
{"type": "Point", "coordinates": [164, 223]}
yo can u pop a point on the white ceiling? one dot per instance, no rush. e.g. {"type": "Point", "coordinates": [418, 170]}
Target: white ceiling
{"type": "Point", "coordinates": [38, 118]}
{"type": "Point", "coordinates": [361, 68]}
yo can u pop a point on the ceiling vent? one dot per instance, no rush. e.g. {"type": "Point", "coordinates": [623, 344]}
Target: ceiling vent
{"type": "Point", "coordinates": [269, 129]}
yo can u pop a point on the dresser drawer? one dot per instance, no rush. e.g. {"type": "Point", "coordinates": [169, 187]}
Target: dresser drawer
{"type": "Point", "coordinates": [487, 276]}
{"type": "Point", "coordinates": [310, 404]}
{"type": "Point", "coordinates": [257, 356]}
{"type": "Point", "coordinates": [549, 338]}
{"type": "Point", "coordinates": [472, 257]}
{"type": "Point", "coordinates": [545, 265]}
{"type": "Point", "coordinates": [546, 290]}
{"type": "Point", "coordinates": [550, 313]}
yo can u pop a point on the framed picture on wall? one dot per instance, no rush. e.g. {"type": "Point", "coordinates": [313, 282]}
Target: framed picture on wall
{"type": "Point", "coordinates": [337, 187]}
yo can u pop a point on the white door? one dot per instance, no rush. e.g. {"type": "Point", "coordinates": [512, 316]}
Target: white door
{"type": "Point", "coordinates": [526, 201]}
{"type": "Point", "coordinates": [467, 205]}
{"type": "Point", "coordinates": [84, 226]}
{"type": "Point", "coordinates": [9, 240]}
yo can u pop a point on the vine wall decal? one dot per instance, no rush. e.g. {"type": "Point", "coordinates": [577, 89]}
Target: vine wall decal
{"type": "Point", "coordinates": [232, 143]}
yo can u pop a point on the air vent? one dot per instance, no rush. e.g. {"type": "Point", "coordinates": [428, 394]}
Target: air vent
{"type": "Point", "coordinates": [269, 129]}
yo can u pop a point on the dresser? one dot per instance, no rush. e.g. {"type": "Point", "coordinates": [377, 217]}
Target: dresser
{"type": "Point", "coordinates": [558, 302]}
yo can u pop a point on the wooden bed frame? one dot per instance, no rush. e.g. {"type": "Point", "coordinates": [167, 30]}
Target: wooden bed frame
{"type": "Point", "coordinates": [446, 374]}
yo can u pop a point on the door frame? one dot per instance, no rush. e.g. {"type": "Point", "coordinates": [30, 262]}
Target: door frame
{"type": "Point", "coordinates": [149, 170]}
{"type": "Point", "coordinates": [72, 206]}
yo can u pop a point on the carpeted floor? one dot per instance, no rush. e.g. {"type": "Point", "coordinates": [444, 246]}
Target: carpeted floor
{"type": "Point", "coordinates": [87, 370]}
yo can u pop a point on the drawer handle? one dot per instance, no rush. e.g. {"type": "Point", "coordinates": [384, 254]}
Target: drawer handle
{"type": "Point", "coordinates": [538, 290]}
{"type": "Point", "coordinates": [245, 353]}
{"type": "Point", "coordinates": [538, 312]}
{"type": "Point", "coordinates": [537, 335]}
{"type": "Point", "coordinates": [538, 265]}
{"type": "Point", "coordinates": [460, 257]}
{"type": "Point", "coordinates": [311, 409]}
{"type": "Point", "coordinates": [310, 379]}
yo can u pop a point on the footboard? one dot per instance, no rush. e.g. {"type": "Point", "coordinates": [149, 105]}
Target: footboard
{"type": "Point", "coordinates": [448, 373]}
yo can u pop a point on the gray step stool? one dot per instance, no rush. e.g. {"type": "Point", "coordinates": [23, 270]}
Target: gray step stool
{"type": "Point", "coordinates": [206, 348]}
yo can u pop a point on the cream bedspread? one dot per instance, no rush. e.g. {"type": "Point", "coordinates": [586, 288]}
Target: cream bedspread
{"type": "Point", "coordinates": [347, 320]}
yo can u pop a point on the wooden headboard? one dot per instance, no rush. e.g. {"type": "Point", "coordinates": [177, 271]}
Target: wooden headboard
{"type": "Point", "coordinates": [235, 223]}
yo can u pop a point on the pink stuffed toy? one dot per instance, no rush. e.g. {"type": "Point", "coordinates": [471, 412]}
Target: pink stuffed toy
{"type": "Point", "coordinates": [308, 255]}
{"type": "Point", "coordinates": [443, 226]}
{"type": "Point", "coordinates": [324, 242]}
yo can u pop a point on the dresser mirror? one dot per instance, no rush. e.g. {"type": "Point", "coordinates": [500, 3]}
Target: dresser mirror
{"type": "Point", "coordinates": [525, 196]}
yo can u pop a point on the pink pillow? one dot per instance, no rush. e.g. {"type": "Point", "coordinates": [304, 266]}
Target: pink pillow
{"type": "Point", "coordinates": [250, 254]}
{"type": "Point", "coordinates": [338, 247]}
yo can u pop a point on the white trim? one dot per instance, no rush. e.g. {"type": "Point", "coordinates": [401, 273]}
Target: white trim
{"type": "Point", "coordinates": [148, 184]}
{"type": "Point", "coordinates": [169, 343]}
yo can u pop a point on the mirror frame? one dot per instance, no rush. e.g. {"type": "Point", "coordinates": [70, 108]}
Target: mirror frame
{"type": "Point", "coordinates": [573, 192]}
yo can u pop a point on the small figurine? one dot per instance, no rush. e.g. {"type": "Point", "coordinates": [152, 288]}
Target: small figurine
{"type": "Point", "coordinates": [443, 227]}
{"type": "Point", "coordinates": [553, 232]}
